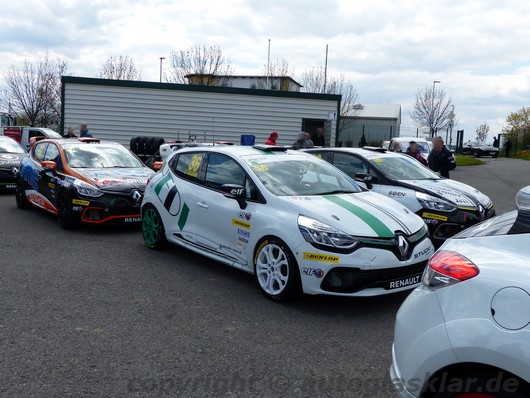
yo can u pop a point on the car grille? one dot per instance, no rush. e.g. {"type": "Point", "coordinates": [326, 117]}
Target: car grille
{"type": "Point", "coordinates": [351, 280]}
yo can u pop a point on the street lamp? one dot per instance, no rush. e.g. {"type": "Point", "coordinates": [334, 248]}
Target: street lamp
{"type": "Point", "coordinates": [161, 59]}
{"type": "Point", "coordinates": [432, 105]}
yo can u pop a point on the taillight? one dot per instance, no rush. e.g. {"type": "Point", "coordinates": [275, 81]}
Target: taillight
{"type": "Point", "coordinates": [446, 268]}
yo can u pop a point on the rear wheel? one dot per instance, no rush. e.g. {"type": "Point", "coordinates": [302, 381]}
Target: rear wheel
{"type": "Point", "coordinates": [20, 196]}
{"type": "Point", "coordinates": [276, 270]}
{"type": "Point", "coordinates": [152, 228]}
{"type": "Point", "coordinates": [477, 154]}
{"type": "Point", "coordinates": [65, 214]}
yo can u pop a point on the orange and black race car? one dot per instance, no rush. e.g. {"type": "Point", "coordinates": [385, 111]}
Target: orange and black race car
{"type": "Point", "coordinates": [83, 180]}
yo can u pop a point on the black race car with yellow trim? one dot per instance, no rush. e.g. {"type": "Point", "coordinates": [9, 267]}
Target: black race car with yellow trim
{"type": "Point", "coordinates": [10, 155]}
{"type": "Point", "coordinates": [447, 206]}
{"type": "Point", "coordinates": [83, 180]}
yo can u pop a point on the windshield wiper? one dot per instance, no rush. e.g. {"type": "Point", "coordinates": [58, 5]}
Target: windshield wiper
{"type": "Point", "coordinates": [336, 192]}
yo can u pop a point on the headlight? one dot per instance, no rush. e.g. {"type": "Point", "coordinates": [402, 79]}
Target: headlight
{"type": "Point", "coordinates": [318, 233]}
{"type": "Point", "coordinates": [86, 189]}
{"type": "Point", "coordinates": [433, 203]}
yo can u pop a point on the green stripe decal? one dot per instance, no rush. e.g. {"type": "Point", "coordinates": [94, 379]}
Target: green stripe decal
{"type": "Point", "coordinates": [183, 216]}
{"type": "Point", "coordinates": [373, 222]}
{"type": "Point", "coordinates": [161, 183]}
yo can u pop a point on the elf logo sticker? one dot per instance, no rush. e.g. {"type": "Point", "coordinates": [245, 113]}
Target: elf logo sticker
{"type": "Point", "coordinates": [241, 223]}
{"type": "Point", "coordinates": [318, 273]}
{"type": "Point", "coordinates": [433, 216]}
{"type": "Point", "coordinates": [324, 258]}
{"type": "Point", "coordinates": [167, 192]}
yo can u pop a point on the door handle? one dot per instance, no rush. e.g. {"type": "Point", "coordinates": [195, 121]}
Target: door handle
{"type": "Point", "coordinates": [202, 204]}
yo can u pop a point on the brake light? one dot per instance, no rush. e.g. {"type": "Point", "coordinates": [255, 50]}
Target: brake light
{"type": "Point", "coordinates": [447, 268]}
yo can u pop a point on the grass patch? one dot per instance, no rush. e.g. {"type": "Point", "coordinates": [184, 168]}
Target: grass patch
{"type": "Point", "coordinates": [525, 155]}
{"type": "Point", "coordinates": [466, 160]}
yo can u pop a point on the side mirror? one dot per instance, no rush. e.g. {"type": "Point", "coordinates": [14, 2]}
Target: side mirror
{"type": "Point", "coordinates": [366, 178]}
{"type": "Point", "coordinates": [237, 192]}
{"type": "Point", "coordinates": [157, 165]}
{"type": "Point", "coordinates": [48, 165]}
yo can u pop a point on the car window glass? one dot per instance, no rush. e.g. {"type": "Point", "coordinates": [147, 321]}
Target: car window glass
{"type": "Point", "coordinates": [35, 133]}
{"type": "Point", "coordinates": [222, 170]}
{"type": "Point", "coordinates": [349, 164]}
{"type": "Point", "coordinates": [52, 154]}
{"type": "Point", "coordinates": [188, 165]}
{"type": "Point", "coordinates": [38, 151]}
{"type": "Point", "coordinates": [326, 155]}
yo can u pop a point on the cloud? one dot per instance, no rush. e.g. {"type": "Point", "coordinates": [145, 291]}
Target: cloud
{"type": "Point", "coordinates": [388, 48]}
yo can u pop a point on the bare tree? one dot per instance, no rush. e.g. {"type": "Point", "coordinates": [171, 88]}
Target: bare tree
{"type": "Point", "coordinates": [208, 63]}
{"type": "Point", "coordinates": [279, 71]}
{"type": "Point", "coordinates": [316, 81]}
{"type": "Point", "coordinates": [431, 109]}
{"type": "Point", "coordinates": [482, 132]}
{"type": "Point", "coordinates": [34, 90]}
{"type": "Point", "coordinates": [120, 68]}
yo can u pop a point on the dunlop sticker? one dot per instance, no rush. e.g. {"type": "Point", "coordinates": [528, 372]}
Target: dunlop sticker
{"type": "Point", "coordinates": [80, 202]}
{"type": "Point", "coordinates": [434, 216]}
{"type": "Point", "coordinates": [241, 223]}
{"type": "Point", "coordinates": [325, 258]}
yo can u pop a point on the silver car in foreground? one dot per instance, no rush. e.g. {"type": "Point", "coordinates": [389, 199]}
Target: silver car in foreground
{"type": "Point", "coordinates": [466, 331]}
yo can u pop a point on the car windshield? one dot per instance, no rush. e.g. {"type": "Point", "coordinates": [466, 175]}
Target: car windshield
{"type": "Point", "coordinates": [403, 168]}
{"type": "Point", "coordinates": [295, 175]}
{"type": "Point", "coordinates": [10, 146]}
{"type": "Point", "coordinates": [98, 156]}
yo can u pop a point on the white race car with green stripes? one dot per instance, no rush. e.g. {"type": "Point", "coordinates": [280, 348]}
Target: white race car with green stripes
{"type": "Point", "coordinates": [294, 221]}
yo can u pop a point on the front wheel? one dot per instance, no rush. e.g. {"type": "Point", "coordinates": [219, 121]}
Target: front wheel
{"type": "Point", "coordinates": [65, 214]}
{"type": "Point", "coordinates": [20, 196]}
{"type": "Point", "coordinates": [477, 154]}
{"type": "Point", "coordinates": [152, 228]}
{"type": "Point", "coordinates": [276, 270]}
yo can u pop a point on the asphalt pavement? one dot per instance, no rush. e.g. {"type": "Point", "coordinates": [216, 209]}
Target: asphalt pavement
{"type": "Point", "coordinates": [94, 313]}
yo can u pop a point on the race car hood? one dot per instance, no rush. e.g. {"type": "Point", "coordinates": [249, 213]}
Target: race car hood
{"type": "Point", "coordinates": [365, 214]}
{"type": "Point", "coordinates": [10, 160]}
{"type": "Point", "coordinates": [117, 179]}
{"type": "Point", "coordinates": [453, 191]}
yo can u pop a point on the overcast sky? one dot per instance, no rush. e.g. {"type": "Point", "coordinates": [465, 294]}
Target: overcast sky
{"type": "Point", "coordinates": [479, 50]}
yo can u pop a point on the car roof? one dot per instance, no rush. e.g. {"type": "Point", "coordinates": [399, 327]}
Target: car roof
{"type": "Point", "coordinates": [240, 150]}
{"type": "Point", "coordinates": [409, 139]}
{"type": "Point", "coordinates": [68, 142]}
{"type": "Point", "coordinates": [367, 153]}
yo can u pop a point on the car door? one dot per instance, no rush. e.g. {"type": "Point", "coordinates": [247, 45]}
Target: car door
{"type": "Point", "coordinates": [176, 192]}
{"type": "Point", "coordinates": [48, 179]}
{"type": "Point", "coordinates": [224, 225]}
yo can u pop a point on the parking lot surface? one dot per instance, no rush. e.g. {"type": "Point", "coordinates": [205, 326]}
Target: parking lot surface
{"type": "Point", "coordinates": [93, 312]}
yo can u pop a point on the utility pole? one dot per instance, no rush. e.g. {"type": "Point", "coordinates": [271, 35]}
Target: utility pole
{"type": "Point", "coordinates": [433, 132]}
{"type": "Point", "coordinates": [326, 71]}
{"type": "Point", "coordinates": [269, 65]}
{"type": "Point", "coordinates": [161, 59]}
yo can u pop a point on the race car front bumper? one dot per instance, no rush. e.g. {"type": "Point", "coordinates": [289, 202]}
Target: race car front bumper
{"type": "Point", "coordinates": [109, 208]}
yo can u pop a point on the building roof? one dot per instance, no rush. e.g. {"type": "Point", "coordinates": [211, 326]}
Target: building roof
{"type": "Point", "coordinates": [377, 111]}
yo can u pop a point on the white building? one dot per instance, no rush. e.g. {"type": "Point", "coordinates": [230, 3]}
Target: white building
{"type": "Point", "coordinates": [378, 122]}
{"type": "Point", "coordinates": [119, 110]}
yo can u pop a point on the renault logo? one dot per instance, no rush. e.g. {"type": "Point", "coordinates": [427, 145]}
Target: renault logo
{"type": "Point", "coordinates": [136, 196]}
{"type": "Point", "coordinates": [403, 245]}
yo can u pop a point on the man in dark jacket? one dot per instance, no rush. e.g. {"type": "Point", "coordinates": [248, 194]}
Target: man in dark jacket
{"type": "Point", "coordinates": [508, 147]}
{"type": "Point", "coordinates": [441, 159]}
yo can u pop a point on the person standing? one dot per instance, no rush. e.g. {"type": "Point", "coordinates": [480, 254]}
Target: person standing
{"type": "Point", "coordinates": [495, 142]}
{"type": "Point", "coordinates": [319, 139]}
{"type": "Point", "coordinates": [441, 159]}
{"type": "Point", "coordinates": [414, 151]}
{"type": "Point", "coordinates": [83, 131]}
{"type": "Point", "coordinates": [362, 141]}
{"type": "Point", "coordinates": [70, 133]}
{"type": "Point", "coordinates": [272, 138]}
{"type": "Point", "coordinates": [303, 141]}
{"type": "Point", "coordinates": [508, 147]}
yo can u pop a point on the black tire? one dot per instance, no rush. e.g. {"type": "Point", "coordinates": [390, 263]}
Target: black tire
{"type": "Point", "coordinates": [65, 215]}
{"type": "Point", "coordinates": [20, 196]}
{"type": "Point", "coordinates": [133, 145]}
{"type": "Point", "coordinates": [495, 156]}
{"type": "Point", "coordinates": [480, 383]}
{"type": "Point", "coordinates": [477, 154]}
{"type": "Point", "coordinates": [157, 143]}
{"type": "Point", "coordinates": [153, 230]}
{"type": "Point", "coordinates": [276, 289]}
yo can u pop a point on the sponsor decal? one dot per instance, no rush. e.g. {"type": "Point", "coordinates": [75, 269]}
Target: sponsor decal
{"type": "Point", "coordinates": [7, 156]}
{"type": "Point", "coordinates": [229, 249]}
{"type": "Point", "coordinates": [423, 252]}
{"type": "Point", "coordinates": [430, 221]}
{"type": "Point", "coordinates": [396, 194]}
{"type": "Point", "coordinates": [240, 223]}
{"type": "Point", "coordinates": [434, 216]}
{"type": "Point", "coordinates": [260, 167]}
{"type": "Point", "coordinates": [30, 174]}
{"type": "Point", "coordinates": [132, 219]}
{"type": "Point", "coordinates": [7, 159]}
{"type": "Point", "coordinates": [63, 183]}
{"type": "Point", "coordinates": [167, 192]}
{"type": "Point", "coordinates": [325, 258]}
{"type": "Point", "coordinates": [185, 211]}
{"type": "Point", "coordinates": [194, 166]}
{"type": "Point", "coordinates": [405, 282]}
{"type": "Point", "coordinates": [318, 273]}
{"type": "Point", "coordinates": [244, 233]}
{"type": "Point", "coordinates": [80, 202]}
{"type": "Point", "coordinates": [77, 208]}
{"type": "Point", "coordinates": [51, 185]}
{"type": "Point", "coordinates": [245, 215]}
{"type": "Point", "coordinates": [259, 249]}
{"type": "Point", "coordinates": [241, 239]}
